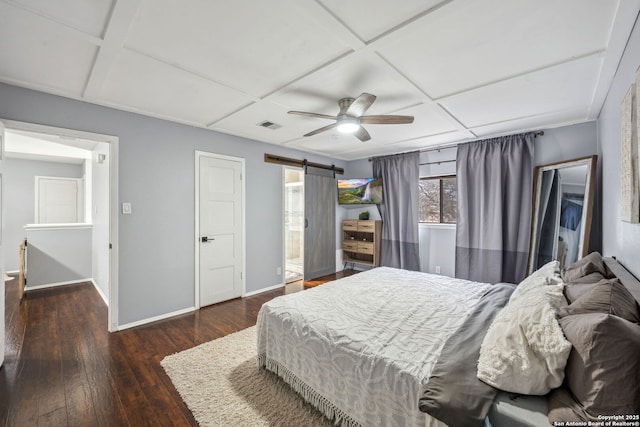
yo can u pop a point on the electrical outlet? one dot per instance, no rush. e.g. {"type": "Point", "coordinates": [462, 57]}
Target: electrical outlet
{"type": "Point", "coordinates": [279, 271]}
{"type": "Point", "coordinates": [437, 269]}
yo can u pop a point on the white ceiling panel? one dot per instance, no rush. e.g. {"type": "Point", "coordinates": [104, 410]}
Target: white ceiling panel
{"type": "Point", "coordinates": [564, 88]}
{"type": "Point", "coordinates": [370, 18]}
{"type": "Point", "coordinates": [430, 119]}
{"type": "Point", "coordinates": [252, 46]}
{"type": "Point", "coordinates": [39, 54]}
{"type": "Point", "coordinates": [467, 44]}
{"type": "Point", "coordinates": [245, 122]}
{"type": "Point", "coordinates": [329, 142]}
{"type": "Point", "coordinates": [89, 17]}
{"type": "Point", "coordinates": [545, 120]}
{"type": "Point", "coordinates": [427, 141]}
{"type": "Point", "coordinates": [366, 149]}
{"type": "Point", "coordinates": [320, 91]}
{"type": "Point", "coordinates": [143, 84]}
{"type": "Point", "coordinates": [464, 69]}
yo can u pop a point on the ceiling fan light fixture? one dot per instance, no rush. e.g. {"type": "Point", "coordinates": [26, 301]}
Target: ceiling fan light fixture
{"type": "Point", "coordinates": [348, 125]}
{"type": "Point", "coordinates": [351, 116]}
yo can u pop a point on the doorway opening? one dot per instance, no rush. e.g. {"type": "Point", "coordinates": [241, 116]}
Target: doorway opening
{"type": "Point", "coordinates": [31, 151]}
{"type": "Point", "coordinates": [293, 224]}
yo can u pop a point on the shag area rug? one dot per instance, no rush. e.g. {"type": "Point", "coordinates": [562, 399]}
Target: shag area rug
{"type": "Point", "coordinates": [222, 386]}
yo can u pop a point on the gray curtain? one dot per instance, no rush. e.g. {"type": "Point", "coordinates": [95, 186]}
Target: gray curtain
{"type": "Point", "coordinates": [494, 208]}
{"type": "Point", "coordinates": [399, 209]}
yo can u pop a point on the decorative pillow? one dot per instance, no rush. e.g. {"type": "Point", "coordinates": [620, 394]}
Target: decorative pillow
{"type": "Point", "coordinates": [603, 370]}
{"type": "Point", "coordinates": [591, 263]}
{"type": "Point", "coordinates": [548, 274]}
{"type": "Point", "coordinates": [606, 296]}
{"type": "Point", "coordinates": [524, 350]}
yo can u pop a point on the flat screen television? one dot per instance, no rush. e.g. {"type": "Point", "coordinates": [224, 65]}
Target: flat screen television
{"type": "Point", "coordinates": [359, 191]}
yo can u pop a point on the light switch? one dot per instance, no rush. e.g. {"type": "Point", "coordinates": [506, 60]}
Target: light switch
{"type": "Point", "coordinates": [126, 208]}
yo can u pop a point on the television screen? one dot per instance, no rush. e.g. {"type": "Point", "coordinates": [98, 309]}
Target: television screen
{"type": "Point", "coordinates": [359, 191]}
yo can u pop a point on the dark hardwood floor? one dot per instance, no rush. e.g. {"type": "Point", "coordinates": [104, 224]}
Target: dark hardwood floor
{"type": "Point", "coordinates": [62, 367]}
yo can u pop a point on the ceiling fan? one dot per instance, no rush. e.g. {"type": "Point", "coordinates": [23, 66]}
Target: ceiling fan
{"type": "Point", "coordinates": [350, 118]}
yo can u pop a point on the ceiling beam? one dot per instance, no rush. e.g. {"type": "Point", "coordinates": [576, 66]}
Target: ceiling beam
{"type": "Point", "coordinates": [326, 19]}
{"type": "Point", "coordinates": [122, 15]}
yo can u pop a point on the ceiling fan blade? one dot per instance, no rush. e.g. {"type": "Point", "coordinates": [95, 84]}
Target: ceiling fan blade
{"type": "Point", "coordinates": [360, 105]}
{"type": "Point", "coordinates": [315, 115]}
{"type": "Point", "coordinates": [322, 129]}
{"type": "Point", "coordinates": [386, 120]}
{"type": "Point", "coordinates": [362, 134]}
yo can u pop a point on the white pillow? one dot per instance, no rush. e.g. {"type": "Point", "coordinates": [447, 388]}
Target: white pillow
{"type": "Point", "coordinates": [524, 350]}
{"type": "Point", "coordinates": [548, 274]}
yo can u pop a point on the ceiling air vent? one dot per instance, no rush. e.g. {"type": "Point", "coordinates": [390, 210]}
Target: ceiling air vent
{"type": "Point", "coordinates": [269, 125]}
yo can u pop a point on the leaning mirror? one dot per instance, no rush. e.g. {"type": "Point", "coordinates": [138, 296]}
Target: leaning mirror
{"type": "Point", "coordinates": [562, 205]}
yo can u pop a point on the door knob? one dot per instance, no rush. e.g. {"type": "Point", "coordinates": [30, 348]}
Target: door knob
{"type": "Point", "coordinates": [205, 239]}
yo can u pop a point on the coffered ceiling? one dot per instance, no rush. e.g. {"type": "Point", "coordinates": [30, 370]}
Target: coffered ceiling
{"type": "Point", "coordinates": [464, 69]}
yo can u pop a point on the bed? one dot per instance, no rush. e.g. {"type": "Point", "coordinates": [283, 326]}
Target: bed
{"type": "Point", "coordinates": [382, 348]}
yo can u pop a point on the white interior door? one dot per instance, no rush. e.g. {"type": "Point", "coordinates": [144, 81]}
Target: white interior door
{"type": "Point", "coordinates": [58, 200]}
{"type": "Point", "coordinates": [220, 228]}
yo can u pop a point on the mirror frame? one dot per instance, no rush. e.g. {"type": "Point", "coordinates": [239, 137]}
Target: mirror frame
{"type": "Point", "coordinates": [587, 211]}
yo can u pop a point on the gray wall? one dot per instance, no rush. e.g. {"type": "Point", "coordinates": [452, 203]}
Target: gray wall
{"type": "Point", "coordinates": [19, 199]}
{"type": "Point", "coordinates": [156, 174]}
{"type": "Point", "coordinates": [566, 143]}
{"type": "Point", "coordinates": [437, 243]}
{"type": "Point", "coordinates": [58, 255]}
{"type": "Point", "coordinates": [620, 239]}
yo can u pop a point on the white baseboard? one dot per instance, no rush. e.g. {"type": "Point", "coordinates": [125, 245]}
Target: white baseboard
{"type": "Point", "coordinates": [53, 285]}
{"type": "Point", "coordinates": [155, 318]}
{"type": "Point", "coordinates": [259, 291]}
{"type": "Point", "coordinates": [102, 295]}
{"type": "Point", "coordinates": [186, 310]}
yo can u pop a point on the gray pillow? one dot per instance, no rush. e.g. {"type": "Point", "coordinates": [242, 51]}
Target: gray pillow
{"type": "Point", "coordinates": [603, 370]}
{"type": "Point", "coordinates": [578, 287]}
{"type": "Point", "coordinates": [606, 296]}
{"type": "Point", "coordinates": [590, 278]}
{"type": "Point", "coordinates": [591, 263]}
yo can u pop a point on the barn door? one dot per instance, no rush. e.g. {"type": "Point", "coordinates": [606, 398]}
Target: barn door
{"type": "Point", "coordinates": [320, 226]}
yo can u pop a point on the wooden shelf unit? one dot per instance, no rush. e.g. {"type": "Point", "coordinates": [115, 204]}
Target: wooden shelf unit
{"type": "Point", "coordinates": [361, 241]}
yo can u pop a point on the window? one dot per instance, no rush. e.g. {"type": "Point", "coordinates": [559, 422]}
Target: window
{"type": "Point", "coordinates": [437, 200]}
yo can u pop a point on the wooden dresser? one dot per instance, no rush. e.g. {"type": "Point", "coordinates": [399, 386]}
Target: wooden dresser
{"type": "Point", "coordinates": [361, 241]}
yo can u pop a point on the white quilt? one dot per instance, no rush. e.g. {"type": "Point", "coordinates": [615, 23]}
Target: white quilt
{"type": "Point", "coordinates": [361, 349]}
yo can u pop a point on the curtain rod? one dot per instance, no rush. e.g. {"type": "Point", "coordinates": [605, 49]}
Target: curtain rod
{"type": "Point", "coordinates": [454, 145]}
{"type": "Point", "coordinates": [448, 146]}
{"type": "Point", "coordinates": [437, 163]}
{"type": "Point", "coordinates": [280, 160]}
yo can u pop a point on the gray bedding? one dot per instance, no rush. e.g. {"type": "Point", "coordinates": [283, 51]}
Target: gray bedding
{"type": "Point", "coordinates": [453, 393]}
{"type": "Point", "coordinates": [509, 410]}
